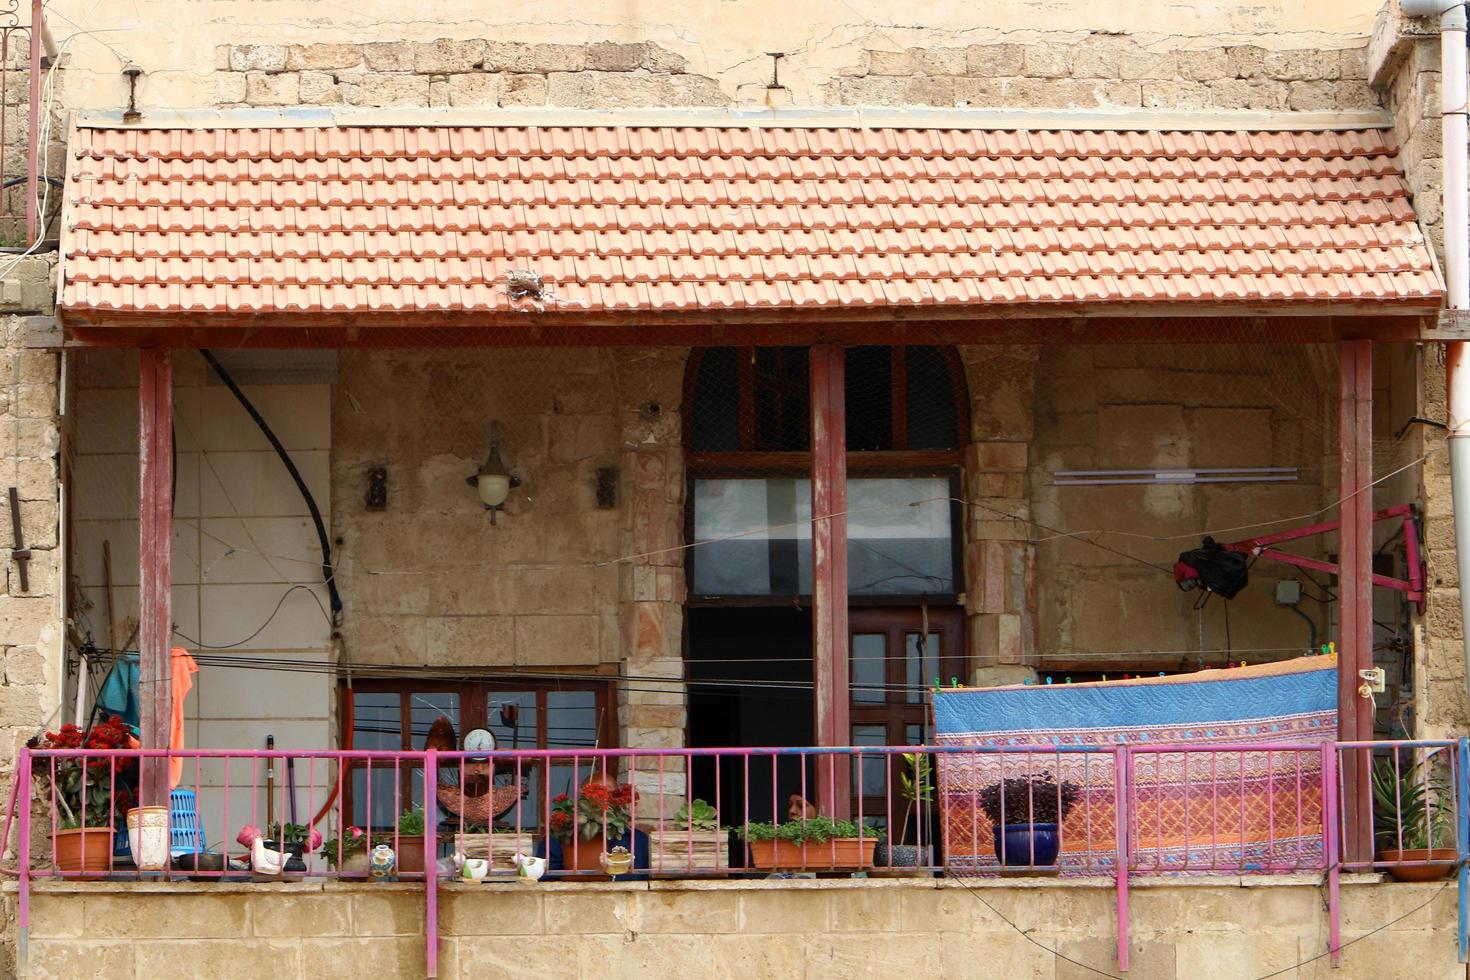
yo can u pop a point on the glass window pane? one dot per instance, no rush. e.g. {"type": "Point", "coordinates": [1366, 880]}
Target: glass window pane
{"type": "Point", "coordinates": [377, 722]}
{"type": "Point", "coordinates": [754, 537]}
{"type": "Point", "coordinates": [782, 399]}
{"type": "Point", "coordinates": [900, 537]}
{"type": "Point", "coordinates": [870, 773]}
{"type": "Point", "coordinates": [426, 707]}
{"type": "Point", "coordinates": [932, 419]}
{"type": "Point", "coordinates": [511, 718]}
{"type": "Point", "coordinates": [869, 399]}
{"type": "Point", "coordinates": [379, 811]}
{"type": "Point", "coordinates": [868, 665]}
{"type": "Point", "coordinates": [715, 408]}
{"type": "Point", "coordinates": [572, 719]}
{"type": "Point", "coordinates": [913, 734]}
{"type": "Point", "coordinates": [922, 666]}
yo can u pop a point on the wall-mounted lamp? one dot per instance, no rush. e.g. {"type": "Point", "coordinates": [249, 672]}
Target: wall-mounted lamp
{"type": "Point", "coordinates": [493, 480]}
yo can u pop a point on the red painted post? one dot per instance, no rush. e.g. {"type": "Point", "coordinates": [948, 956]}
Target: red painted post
{"type": "Point", "coordinates": [829, 575]}
{"type": "Point", "coordinates": [155, 580]}
{"type": "Point", "coordinates": [1355, 587]}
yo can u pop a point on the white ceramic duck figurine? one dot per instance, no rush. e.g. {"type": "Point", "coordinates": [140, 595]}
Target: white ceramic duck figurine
{"type": "Point", "coordinates": [529, 868]}
{"type": "Point", "coordinates": [264, 861]}
{"type": "Point", "coordinates": [470, 869]}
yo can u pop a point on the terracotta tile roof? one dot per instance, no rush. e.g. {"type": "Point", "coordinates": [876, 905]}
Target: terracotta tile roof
{"type": "Point", "coordinates": [703, 220]}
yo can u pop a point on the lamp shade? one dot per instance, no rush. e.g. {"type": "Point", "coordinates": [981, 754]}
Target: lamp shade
{"type": "Point", "coordinates": [494, 488]}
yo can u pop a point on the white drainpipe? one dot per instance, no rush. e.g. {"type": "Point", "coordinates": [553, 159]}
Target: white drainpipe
{"type": "Point", "coordinates": [1453, 99]}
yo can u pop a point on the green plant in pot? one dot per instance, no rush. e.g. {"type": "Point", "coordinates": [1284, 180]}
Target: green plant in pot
{"type": "Point", "coordinates": [340, 851]}
{"type": "Point", "coordinates": [409, 846]}
{"type": "Point", "coordinates": [297, 840]}
{"type": "Point", "coordinates": [916, 787]}
{"type": "Point", "coordinates": [819, 843]}
{"type": "Point", "coordinates": [90, 794]}
{"type": "Point", "coordinates": [1026, 813]}
{"type": "Point", "coordinates": [1412, 822]}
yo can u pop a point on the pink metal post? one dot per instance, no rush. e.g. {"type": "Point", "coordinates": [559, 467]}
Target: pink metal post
{"type": "Point", "coordinates": [1120, 794]}
{"type": "Point", "coordinates": [431, 862]}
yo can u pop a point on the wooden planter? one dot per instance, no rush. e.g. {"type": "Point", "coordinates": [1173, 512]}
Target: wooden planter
{"type": "Point", "coordinates": [839, 854]}
{"type": "Point", "coordinates": [1443, 859]}
{"type": "Point", "coordinates": [680, 852]}
{"type": "Point", "coordinates": [87, 852]}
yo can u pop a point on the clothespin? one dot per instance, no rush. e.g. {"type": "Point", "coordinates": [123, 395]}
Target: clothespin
{"type": "Point", "coordinates": [954, 682]}
{"type": "Point", "coordinates": [1069, 680]}
{"type": "Point", "coordinates": [1243, 663]}
{"type": "Point", "coordinates": [1105, 676]}
{"type": "Point", "coordinates": [1161, 673]}
{"type": "Point", "coordinates": [1025, 682]}
{"type": "Point", "coordinates": [1048, 679]}
{"type": "Point", "coordinates": [936, 685]}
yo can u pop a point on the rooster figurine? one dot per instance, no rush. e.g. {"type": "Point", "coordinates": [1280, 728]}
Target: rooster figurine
{"type": "Point", "coordinates": [528, 869]}
{"type": "Point", "coordinates": [263, 860]}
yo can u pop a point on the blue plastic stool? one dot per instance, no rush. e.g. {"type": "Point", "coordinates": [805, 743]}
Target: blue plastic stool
{"type": "Point", "coordinates": [185, 835]}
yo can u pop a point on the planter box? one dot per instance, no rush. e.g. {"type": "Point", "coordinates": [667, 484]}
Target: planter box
{"type": "Point", "coordinates": [839, 854]}
{"type": "Point", "coordinates": [87, 852]}
{"type": "Point", "coordinates": [500, 848]}
{"type": "Point", "coordinates": [679, 852]}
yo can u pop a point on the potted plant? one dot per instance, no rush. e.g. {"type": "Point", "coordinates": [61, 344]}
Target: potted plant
{"type": "Point", "coordinates": [409, 847]}
{"type": "Point", "coordinates": [916, 786]}
{"type": "Point", "coordinates": [1411, 822]}
{"type": "Point", "coordinates": [690, 843]}
{"type": "Point", "coordinates": [600, 814]}
{"type": "Point", "coordinates": [1026, 813]}
{"type": "Point", "coordinates": [347, 853]}
{"type": "Point", "coordinates": [816, 843]}
{"type": "Point", "coordinates": [294, 839]}
{"type": "Point", "coordinates": [88, 794]}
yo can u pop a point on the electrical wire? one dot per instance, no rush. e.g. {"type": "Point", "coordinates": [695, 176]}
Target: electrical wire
{"type": "Point", "coordinates": [261, 628]}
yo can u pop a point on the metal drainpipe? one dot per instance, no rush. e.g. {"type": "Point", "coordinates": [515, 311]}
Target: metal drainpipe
{"type": "Point", "coordinates": [1453, 85]}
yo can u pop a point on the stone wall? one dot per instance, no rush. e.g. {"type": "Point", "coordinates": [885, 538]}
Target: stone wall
{"type": "Point", "coordinates": [31, 629]}
{"type": "Point", "coordinates": [832, 928]}
{"type": "Point", "coordinates": [430, 580]}
{"type": "Point", "coordinates": [1403, 65]}
{"type": "Point", "coordinates": [1090, 70]}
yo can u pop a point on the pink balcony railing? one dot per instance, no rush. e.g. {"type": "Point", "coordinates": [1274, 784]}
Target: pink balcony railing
{"type": "Point", "coordinates": [1122, 812]}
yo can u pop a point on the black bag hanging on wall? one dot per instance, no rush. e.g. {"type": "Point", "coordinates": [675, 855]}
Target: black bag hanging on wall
{"type": "Point", "coordinates": [1212, 568]}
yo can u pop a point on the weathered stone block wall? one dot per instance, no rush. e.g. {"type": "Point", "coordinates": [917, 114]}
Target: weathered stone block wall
{"type": "Point", "coordinates": [1105, 553]}
{"type": "Point", "coordinates": [430, 581]}
{"type": "Point", "coordinates": [31, 628]}
{"type": "Point", "coordinates": [1083, 69]}
{"type": "Point", "coordinates": [1403, 65]}
{"type": "Point", "coordinates": [836, 928]}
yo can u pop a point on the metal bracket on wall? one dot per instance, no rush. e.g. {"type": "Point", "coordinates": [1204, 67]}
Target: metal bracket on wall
{"type": "Point", "coordinates": [21, 555]}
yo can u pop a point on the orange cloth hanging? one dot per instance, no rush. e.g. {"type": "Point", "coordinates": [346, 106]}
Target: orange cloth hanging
{"type": "Point", "coordinates": [184, 669]}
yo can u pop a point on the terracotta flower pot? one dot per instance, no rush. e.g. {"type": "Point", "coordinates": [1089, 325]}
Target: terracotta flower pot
{"type": "Point", "coordinates": [86, 851]}
{"type": "Point", "coordinates": [409, 850]}
{"type": "Point", "coordinates": [1443, 859]}
{"type": "Point", "coordinates": [839, 854]}
{"type": "Point", "coordinates": [584, 855]}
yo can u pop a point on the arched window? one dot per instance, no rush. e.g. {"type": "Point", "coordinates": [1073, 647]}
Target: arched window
{"type": "Point", "coordinates": [747, 433]}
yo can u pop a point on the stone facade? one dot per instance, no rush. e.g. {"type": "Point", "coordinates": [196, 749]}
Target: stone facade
{"type": "Point", "coordinates": [732, 929]}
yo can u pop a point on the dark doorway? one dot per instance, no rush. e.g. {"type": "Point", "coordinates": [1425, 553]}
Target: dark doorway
{"type": "Point", "coordinates": [757, 667]}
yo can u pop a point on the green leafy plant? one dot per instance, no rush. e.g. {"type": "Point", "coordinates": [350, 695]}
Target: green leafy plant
{"type": "Point", "coordinates": [814, 830]}
{"type": "Point", "coordinates": [698, 815]}
{"type": "Point", "coordinates": [1409, 812]}
{"type": "Point", "coordinates": [411, 824]}
{"type": "Point", "coordinates": [599, 809]}
{"type": "Point", "coordinates": [353, 841]}
{"type": "Point", "coordinates": [88, 791]}
{"type": "Point", "coordinates": [916, 788]}
{"type": "Point", "coordinates": [293, 834]}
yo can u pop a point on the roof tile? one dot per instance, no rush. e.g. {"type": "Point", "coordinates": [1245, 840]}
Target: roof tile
{"type": "Point", "coordinates": [686, 218]}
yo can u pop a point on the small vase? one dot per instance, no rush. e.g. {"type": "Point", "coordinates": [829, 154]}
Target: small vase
{"type": "Point", "coordinates": [148, 837]}
{"type": "Point", "coordinates": [1028, 845]}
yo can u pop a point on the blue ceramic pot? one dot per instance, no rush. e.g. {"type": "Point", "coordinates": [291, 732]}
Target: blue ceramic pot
{"type": "Point", "coordinates": [1028, 844]}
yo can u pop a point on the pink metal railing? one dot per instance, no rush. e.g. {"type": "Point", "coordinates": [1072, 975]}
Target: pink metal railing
{"type": "Point", "coordinates": [1127, 811]}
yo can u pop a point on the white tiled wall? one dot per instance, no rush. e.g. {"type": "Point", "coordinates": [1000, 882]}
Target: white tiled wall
{"type": "Point", "coordinates": [242, 537]}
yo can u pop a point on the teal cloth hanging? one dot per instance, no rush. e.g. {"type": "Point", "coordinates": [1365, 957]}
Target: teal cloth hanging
{"type": "Point", "coordinates": [119, 693]}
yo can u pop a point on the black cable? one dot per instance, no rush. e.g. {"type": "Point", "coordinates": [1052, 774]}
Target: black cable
{"type": "Point", "coordinates": [1343, 946]}
{"type": "Point", "coordinates": [328, 576]}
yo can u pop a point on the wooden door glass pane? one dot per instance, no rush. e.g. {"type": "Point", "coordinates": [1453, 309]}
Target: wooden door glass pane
{"type": "Point", "coordinates": [425, 707]}
{"type": "Point", "coordinates": [869, 399]}
{"type": "Point", "coordinates": [714, 405]}
{"type": "Point", "coordinates": [869, 668]}
{"type": "Point", "coordinates": [921, 663]}
{"type": "Point", "coordinates": [930, 400]}
{"type": "Point", "coordinates": [572, 720]}
{"type": "Point", "coordinates": [870, 772]}
{"type": "Point", "coordinates": [511, 717]}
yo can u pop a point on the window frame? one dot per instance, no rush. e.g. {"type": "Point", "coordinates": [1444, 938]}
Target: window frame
{"type": "Point", "coordinates": [474, 698]}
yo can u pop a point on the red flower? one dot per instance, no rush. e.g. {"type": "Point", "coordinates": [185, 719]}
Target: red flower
{"type": "Point", "coordinates": [561, 798]}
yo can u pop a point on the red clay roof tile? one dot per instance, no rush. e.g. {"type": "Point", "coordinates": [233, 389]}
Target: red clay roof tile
{"type": "Point", "coordinates": [410, 219]}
